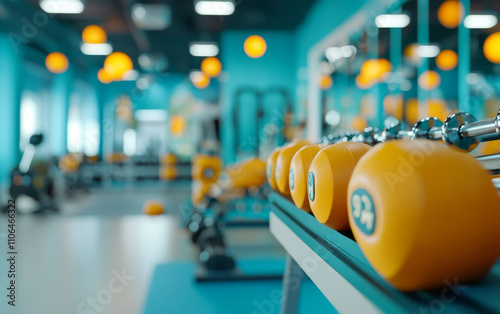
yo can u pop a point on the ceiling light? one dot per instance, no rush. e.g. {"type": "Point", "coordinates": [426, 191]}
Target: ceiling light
{"type": "Point", "coordinates": [144, 82]}
{"type": "Point", "coordinates": [348, 51]}
{"type": "Point", "coordinates": [428, 51]}
{"type": "Point", "coordinates": [62, 6]}
{"type": "Point", "coordinates": [195, 76]}
{"type": "Point", "coordinates": [480, 21]}
{"type": "Point", "coordinates": [207, 7]}
{"type": "Point", "coordinates": [153, 62]}
{"type": "Point", "coordinates": [130, 75]}
{"type": "Point", "coordinates": [333, 54]}
{"type": "Point", "coordinates": [151, 16]}
{"type": "Point", "coordinates": [96, 49]}
{"type": "Point", "coordinates": [151, 115]}
{"type": "Point", "coordinates": [203, 49]}
{"type": "Point", "coordinates": [332, 118]}
{"type": "Point", "coordinates": [392, 20]}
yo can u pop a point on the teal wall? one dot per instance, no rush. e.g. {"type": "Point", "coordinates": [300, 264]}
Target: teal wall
{"type": "Point", "coordinates": [10, 91]}
{"type": "Point", "coordinates": [274, 69]}
{"type": "Point", "coordinates": [283, 64]}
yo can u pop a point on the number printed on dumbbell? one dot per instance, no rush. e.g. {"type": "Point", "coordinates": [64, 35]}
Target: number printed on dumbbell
{"type": "Point", "coordinates": [363, 211]}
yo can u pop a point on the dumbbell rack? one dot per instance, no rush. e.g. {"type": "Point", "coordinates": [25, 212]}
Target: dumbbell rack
{"type": "Point", "coordinates": [335, 263]}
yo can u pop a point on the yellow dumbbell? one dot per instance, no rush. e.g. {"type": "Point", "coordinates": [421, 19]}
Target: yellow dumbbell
{"type": "Point", "coordinates": [283, 164]}
{"type": "Point", "coordinates": [271, 168]}
{"type": "Point", "coordinates": [200, 191]}
{"type": "Point", "coordinates": [206, 168]}
{"type": "Point", "coordinates": [327, 182]}
{"type": "Point", "coordinates": [168, 159]}
{"type": "Point", "coordinates": [424, 214]}
{"type": "Point", "coordinates": [153, 208]}
{"type": "Point", "coordinates": [247, 174]}
{"type": "Point", "coordinates": [299, 169]}
{"type": "Point", "coordinates": [69, 163]}
{"type": "Point", "coordinates": [168, 172]}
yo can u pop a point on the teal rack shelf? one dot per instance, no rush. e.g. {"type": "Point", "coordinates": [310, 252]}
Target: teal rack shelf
{"type": "Point", "coordinates": [335, 263]}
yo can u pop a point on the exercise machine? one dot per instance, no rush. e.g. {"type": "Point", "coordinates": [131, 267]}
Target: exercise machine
{"type": "Point", "coordinates": [33, 183]}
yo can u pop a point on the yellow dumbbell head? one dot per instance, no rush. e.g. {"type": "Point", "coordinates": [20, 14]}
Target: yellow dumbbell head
{"type": "Point", "coordinates": [199, 191]}
{"type": "Point", "coordinates": [327, 182]}
{"type": "Point", "coordinates": [246, 174]}
{"type": "Point", "coordinates": [206, 168]}
{"type": "Point", "coordinates": [168, 172]}
{"type": "Point", "coordinates": [168, 159]}
{"type": "Point", "coordinates": [153, 208]}
{"type": "Point", "coordinates": [283, 164]}
{"type": "Point", "coordinates": [271, 166]}
{"type": "Point", "coordinates": [299, 169]}
{"type": "Point", "coordinates": [424, 214]}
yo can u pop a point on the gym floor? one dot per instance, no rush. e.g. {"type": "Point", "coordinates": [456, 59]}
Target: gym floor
{"type": "Point", "coordinates": [65, 260]}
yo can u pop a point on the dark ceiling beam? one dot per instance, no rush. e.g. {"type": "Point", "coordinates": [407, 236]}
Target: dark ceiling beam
{"type": "Point", "coordinates": [52, 35]}
{"type": "Point", "coordinates": [140, 38]}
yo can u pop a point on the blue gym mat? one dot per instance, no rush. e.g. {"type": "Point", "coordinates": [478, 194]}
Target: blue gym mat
{"type": "Point", "coordinates": [174, 290]}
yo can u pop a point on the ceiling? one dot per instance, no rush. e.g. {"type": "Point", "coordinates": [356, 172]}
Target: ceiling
{"type": "Point", "coordinates": [115, 17]}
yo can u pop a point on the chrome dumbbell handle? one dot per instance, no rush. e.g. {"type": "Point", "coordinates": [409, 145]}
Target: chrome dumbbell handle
{"type": "Point", "coordinates": [465, 132]}
{"type": "Point", "coordinates": [491, 162]}
{"type": "Point", "coordinates": [461, 130]}
{"type": "Point", "coordinates": [395, 132]}
{"type": "Point", "coordinates": [426, 128]}
{"type": "Point", "coordinates": [480, 128]}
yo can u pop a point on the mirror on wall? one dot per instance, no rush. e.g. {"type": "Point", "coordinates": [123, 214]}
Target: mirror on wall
{"type": "Point", "coordinates": [413, 60]}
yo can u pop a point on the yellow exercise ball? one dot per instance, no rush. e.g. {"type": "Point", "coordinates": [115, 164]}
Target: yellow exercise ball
{"type": "Point", "coordinates": [447, 60]}
{"type": "Point", "coordinates": [56, 62]}
{"type": "Point", "coordinates": [117, 64]}
{"type": "Point", "coordinates": [153, 208]}
{"type": "Point", "coordinates": [255, 46]}
{"type": "Point", "coordinates": [211, 66]}
{"type": "Point", "coordinates": [451, 13]}
{"type": "Point", "coordinates": [491, 48]}
{"type": "Point", "coordinates": [94, 34]}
